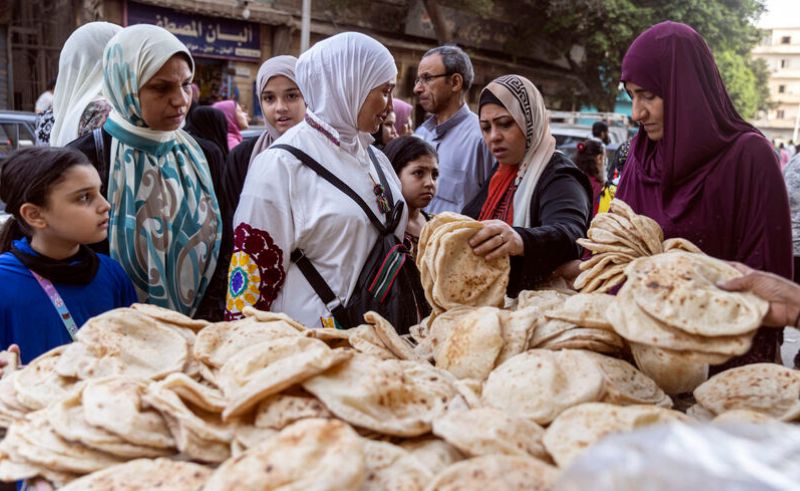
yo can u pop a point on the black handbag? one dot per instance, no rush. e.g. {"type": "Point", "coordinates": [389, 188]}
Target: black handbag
{"type": "Point", "coordinates": [389, 281]}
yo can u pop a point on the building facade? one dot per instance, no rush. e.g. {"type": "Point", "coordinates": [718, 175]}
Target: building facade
{"type": "Point", "coordinates": [230, 38]}
{"type": "Point", "coordinates": [780, 49]}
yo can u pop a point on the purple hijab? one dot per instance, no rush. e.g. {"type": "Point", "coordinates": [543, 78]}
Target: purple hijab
{"type": "Point", "coordinates": [712, 178]}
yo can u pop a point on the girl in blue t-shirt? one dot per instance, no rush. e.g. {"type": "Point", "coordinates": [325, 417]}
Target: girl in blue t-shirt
{"type": "Point", "coordinates": [50, 281]}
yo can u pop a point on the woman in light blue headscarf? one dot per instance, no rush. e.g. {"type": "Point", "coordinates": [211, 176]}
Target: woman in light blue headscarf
{"type": "Point", "coordinates": [165, 223]}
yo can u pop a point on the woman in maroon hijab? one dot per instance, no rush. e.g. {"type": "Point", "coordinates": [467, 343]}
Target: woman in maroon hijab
{"type": "Point", "coordinates": [697, 168]}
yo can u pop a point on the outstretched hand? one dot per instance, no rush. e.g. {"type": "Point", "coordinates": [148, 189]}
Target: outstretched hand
{"type": "Point", "coordinates": [783, 295]}
{"type": "Point", "coordinates": [3, 362]}
{"type": "Point", "coordinates": [497, 239]}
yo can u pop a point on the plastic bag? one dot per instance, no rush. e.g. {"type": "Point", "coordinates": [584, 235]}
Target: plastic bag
{"type": "Point", "coordinates": [730, 457]}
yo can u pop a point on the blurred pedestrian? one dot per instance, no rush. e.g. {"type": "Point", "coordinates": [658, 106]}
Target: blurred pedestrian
{"type": "Point", "coordinates": [444, 77]}
{"type": "Point", "coordinates": [536, 203]}
{"type": "Point", "coordinates": [600, 132]}
{"type": "Point", "coordinates": [236, 120]}
{"type": "Point", "coordinates": [791, 176]}
{"type": "Point", "coordinates": [591, 160]}
{"type": "Point", "coordinates": [698, 168]}
{"type": "Point", "coordinates": [415, 162]}
{"type": "Point", "coordinates": [45, 100]}
{"type": "Point", "coordinates": [402, 124]}
{"type": "Point", "coordinates": [165, 224]}
{"type": "Point", "coordinates": [79, 106]}
{"type": "Point", "coordinates": [386, 132]}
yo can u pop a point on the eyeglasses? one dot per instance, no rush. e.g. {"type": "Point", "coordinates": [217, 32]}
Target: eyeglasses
{"type": "Point", "coordinates": [426, 79]}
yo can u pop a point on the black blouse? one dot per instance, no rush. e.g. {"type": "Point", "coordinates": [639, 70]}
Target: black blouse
{"type": "Point", "coordinates": [561, 210]}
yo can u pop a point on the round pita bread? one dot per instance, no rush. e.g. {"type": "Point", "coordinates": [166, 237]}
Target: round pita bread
{"type": "Point", "coordinates": [506, 472]}
{"type": "Point", "coordinates": [267, 368]}
{"type": "Point", "coordinates": [116, 405]}
{"type": "Point", "coordinates": [218, 342]}
{"type": "Point", "coordinates": [124, 342]}
{"type": "Point", "coordinates": [401, 348]}
{"type": "Point", "coordinates": [463, 278]}
{"type": "Point", "coordinates": [319, 454]}
{"type": "Point", "coordinates": [637, 326]}
{"type": "Point", "coordinates": [10, 408]}
{"type": "Point", "coordinates": [581, 426]}
{"type": "Point", "coordinates": [145, 475]}
{"type": "Point", "coordinates": [38, 385]}
{"type": "Point", "coordinates": [433, 453]}
{"type": "Point", "coordinates": [680, 289]}
{"type": "Point", "coordinates": [678, 244]}
{"type": "Point", "coordinates": [471, 341]}
{"type": "Point", "coordinates": [487, 431]}
{"type": "Point", "coordinates": [625, 385]}
{"type": "Point", "coordinates": [766, 388]}
{"type": "Point", "coordinates": [540, 384]}
{"type": "Point", "coordinates": [68, 421]}
{"type": "Point", "coordinates": [392, 397]}
{"type": "Point", "coordinates": [674, 374]}
{"type": "Point", "coordinates": [517, 328]}
{"type": "Point", "coordinates": [585, 310]}
{"type": "Point", "coordinates": [392, 467]}
{"type": "Point", "coordinates": [743, 416]}
{"type": "Point", "coordinates": [170, 317]}
{"type": "Point", "coordinates": [280, 410]}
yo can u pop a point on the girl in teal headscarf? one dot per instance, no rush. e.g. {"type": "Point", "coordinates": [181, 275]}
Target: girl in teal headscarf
{"type": "Point", "coordinates": [165, 226]}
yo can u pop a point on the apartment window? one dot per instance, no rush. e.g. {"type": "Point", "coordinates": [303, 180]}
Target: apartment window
{"type": "Point", "coordinates": [784, 63]}
{"type": "Point", "coordinates": [781, 89]}
{"type": "Point", "coordinates": [786, 40]}
{"type": "Point", "coordinates": [781, 114]}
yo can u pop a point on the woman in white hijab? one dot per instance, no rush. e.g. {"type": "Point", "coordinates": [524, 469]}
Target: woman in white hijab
{"type": "Point", "coordinates": [283, 107]}
{"type": "Point", "coordinates": [347, 81]}
{"type": "Point", "coordinates": [78, 103]}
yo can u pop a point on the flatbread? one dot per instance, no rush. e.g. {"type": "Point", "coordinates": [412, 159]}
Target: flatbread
{"type": "Point", "coordinates": [280, 410]}
{"type": "Point", "coordinates": [674, 374]}
{"type": "Point", "coordinates": [392, 467]}
{"type": "Point", "coordinates": [766, 388]}
{"type": "Point", "coordinates": [170, 317]}
{"type": "Point", "coordinates": [218, 342]}
{"type": "Point", "coordinates": [116, 405]}
{"type": "Point", "coordinates": [680, 290]}
{"type": "Point", "coordinates": [365, 340]}
{"type": "Point", "coordinates": [516, 329]}
{"type": "Point", "coordinates": [145, 475]}
{"type": "Point", "coordinates": [625, 385]}
{"type": "Point", "coordinates": [433, 453]}
{"type": "Point", "coordinates": [679, 244]}
{"type": "Point", "coordinates": [388, 335]}
{"type": "Point", "coordinates": [319, 454]}
{"type": "Point", "coordinates": [585, 309]}
{"type": "Point", "coordinates": [581, 426]}
{"type": "Point", "coordinates": [267, 368]}
{"type": "Point", "coordinates": [124, 342]}
{"type": "Point", "coordinates": [470, 343]}
{"type": "Point", "coordinates": [487, 431]}
{"type": "Point", "coordinates": [392, 397]}
{"type": "Point", "coordinates": [38, 385]}
{"type": "Point", "coordinates": [463, 278]}
{"type": "Point", "coordinates": [506, 472]}
{"type": "Point", "coordinates": [540, 384]}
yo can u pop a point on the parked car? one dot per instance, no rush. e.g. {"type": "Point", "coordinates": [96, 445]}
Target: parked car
{"type": "Point", "coordinates": [17, 130]}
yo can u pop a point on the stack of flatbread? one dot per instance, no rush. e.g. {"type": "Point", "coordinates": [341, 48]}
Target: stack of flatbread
{"type": "Point", "coordinates": [452, 275]}
{"type": "Point", "coordinates": [149, 399]}
{"type": "Point", "coordinates": [677, 321]}
{"type": "Point", "coordinates": [615, 239]}
{"type": "Point", "coordinates": [758, 392]}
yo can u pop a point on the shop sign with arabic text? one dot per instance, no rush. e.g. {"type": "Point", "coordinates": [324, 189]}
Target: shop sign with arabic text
{"type": "Point", "coordinates": [204, 36]}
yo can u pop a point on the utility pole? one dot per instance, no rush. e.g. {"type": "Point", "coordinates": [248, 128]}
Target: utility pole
{"type": "Point", "coordinates": [305, 28]}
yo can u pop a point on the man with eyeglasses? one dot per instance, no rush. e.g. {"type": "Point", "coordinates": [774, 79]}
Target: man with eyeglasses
{"type": "Point", "coordinates": [444, 76]}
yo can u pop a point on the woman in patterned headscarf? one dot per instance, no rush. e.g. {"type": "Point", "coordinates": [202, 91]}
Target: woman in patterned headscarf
{"type": "Point", "coordinates": [537, 202]}
{"type": "Point", "coordinates": [165, 223]}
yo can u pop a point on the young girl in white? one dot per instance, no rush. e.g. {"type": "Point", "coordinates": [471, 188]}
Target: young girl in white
{"type": "Point", "coordinates": [50, 281]}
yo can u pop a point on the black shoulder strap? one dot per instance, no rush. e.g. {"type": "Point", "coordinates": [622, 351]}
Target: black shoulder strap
{"type": "Point", "coordinates": [386, 189]}
{"type": "Point", "coordinates": [338, 183]}
{"type": "Point", "coordinates": [99, 150]}
{"type": "Point", "coordinates": [332, 302]}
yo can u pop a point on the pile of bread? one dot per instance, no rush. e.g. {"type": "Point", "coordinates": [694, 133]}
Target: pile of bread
{"type": "Point", "coordinates": [487, 393]}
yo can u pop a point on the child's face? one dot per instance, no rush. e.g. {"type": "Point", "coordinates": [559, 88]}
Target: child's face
{"type": "Point", "coordinates": [76, 212]}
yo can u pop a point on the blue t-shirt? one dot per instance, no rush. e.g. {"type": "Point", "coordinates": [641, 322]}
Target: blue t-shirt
{"type": "Point", "coordinates": [28, 317]}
